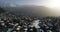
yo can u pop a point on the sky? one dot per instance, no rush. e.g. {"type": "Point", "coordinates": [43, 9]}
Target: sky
{"type": "Point", "coordinates": [13, 3]}
{"type": "Point", "coordinates": [22, 2]}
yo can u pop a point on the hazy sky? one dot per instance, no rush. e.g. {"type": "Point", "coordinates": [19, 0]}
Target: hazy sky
{"type": "Point", "coordinates": [22, 2]}
{"type": "Point", "coordinates": [50, 3]}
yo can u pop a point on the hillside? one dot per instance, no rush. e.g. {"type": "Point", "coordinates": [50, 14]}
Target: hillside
{"type": "Point", "coordinates": [2, 10]}
{"type": "Point", "coordinates": [31, 10]}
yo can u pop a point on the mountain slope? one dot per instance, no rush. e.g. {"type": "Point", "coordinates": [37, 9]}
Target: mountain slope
{"type": "Point", "coordinates": [30, 10]}
{"type": "Point", "coordinates": [2, 10]}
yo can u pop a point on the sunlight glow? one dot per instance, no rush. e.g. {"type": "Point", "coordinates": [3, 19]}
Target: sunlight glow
{"type": "Point", "coordinates": [53, 3]}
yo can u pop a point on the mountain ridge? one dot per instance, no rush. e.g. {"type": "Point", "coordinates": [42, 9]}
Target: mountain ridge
{"type": "Point", "coordinates": [31, 10]}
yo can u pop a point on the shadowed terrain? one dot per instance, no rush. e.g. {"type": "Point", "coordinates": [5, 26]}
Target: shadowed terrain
{"type": "Point", "coordinates": [10, 22]}
{"type": "Point", "coordinates": [2, 10]}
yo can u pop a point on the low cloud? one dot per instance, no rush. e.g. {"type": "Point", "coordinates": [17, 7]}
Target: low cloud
{"type": "Point", "coordinates": [12, 5]}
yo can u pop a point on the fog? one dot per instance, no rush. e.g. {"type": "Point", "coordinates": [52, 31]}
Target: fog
{"type": "Point", "coordinates": [33, 10]}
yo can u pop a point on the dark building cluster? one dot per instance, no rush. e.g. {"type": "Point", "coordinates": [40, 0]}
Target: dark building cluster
{"type": "Point", "coordinates": [12, 23]}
